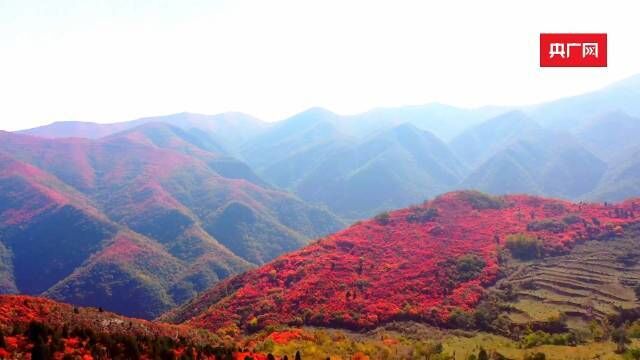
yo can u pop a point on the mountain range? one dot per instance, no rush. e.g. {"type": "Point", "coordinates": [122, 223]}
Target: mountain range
{"type": "Point", "coordinates": [138, 221]}
{"type": "Point", "coordinates": [576, 148]}
{"type": "Point", "coordinates": [141, 216]}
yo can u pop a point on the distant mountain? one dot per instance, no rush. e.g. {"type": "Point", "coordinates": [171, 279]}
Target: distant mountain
{"type": "Point", "coordinates": [228, 129]}
{"type": "Point", "coordinates": [442, 120]}
{"type": "Point", "coordinates": [300, 133]}
{"type": "Point", "coordinates": [338, 161]}
{"type": "Point", "coordinates": [547, 164]}
{"type": "Point", "coordinates": [576, 111]}
{"type": "Point", "coordinates": [478, 143]}
{"type": "Point", "coordinates": [621, 179]}
{"type": "Point", "coordinates": [428, 263]}
{"type": "Point", "coordinates": [312, 155]}
{"type": "Point", "coordinates": [610, 135]}
{"type": "Point", "coordinates": [389, 170]}
{"type": "Point", "coordinates": [141, 217]}
{"type": "Point", "coordinates": [194, 144]}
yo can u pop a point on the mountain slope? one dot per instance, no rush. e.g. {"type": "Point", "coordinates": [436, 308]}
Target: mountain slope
{"type": "Point", "coordinates": [547, 164]}
{"type": "Point", "coordinates": [59, 330]}
{"type": "Point", "coordinates": [46, 222]}
{"type": "Point", "coordinates": [421, 263]}
{"type": "Point", "coordinates": [610, 135]}
{"type": "Point", "coordinates": [159, 197]}
{"type": "Point", "coordinates": [621, 179]}
{"type": "Point", "coordinates": [389, 170]}
{"type": "Point", "coordinates": [477, 144]}
{"type": "Point", "coordinates": [315, 127]}
{"type": "Point", "coordinates": [35, 205]}
{"type": "Point", "coordinates": [194, 144]}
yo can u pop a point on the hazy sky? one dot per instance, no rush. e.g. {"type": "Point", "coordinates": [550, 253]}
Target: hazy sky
{"type": "Point", "coordinates": [113, 60]}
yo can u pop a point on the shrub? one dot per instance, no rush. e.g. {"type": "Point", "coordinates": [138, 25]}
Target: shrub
{"type": "Point", "coordinates": [535, 356]}
{"type": "Point", "coordinates": [536, 338]}
{"type": "Point", "coordinates": [428, 350]}
{"type": "Point", "coordinates": [485, 315]}
{"type": "Point", "coordinates": [131, 349]}
{"type": "Point", "coordinates": [469, 266]}
{"type": "Point", "coordinates": [253, 324]}
{"type": "Point", "coordinates": [40, 350]}
{"type": "Point", "coordinates": [632, 354]}
{"type": "Point", "coordinates": [571, 219]}
{"type": "Point", "coordinates": [461, 269]}
{"type": "Point", "coordinates": [422, 215]}
{"type": "Point", "coordinates": [462, 320]}
{"type": "Point", "coordinates": [267, 346]}
{"type": "Point", "coordinates": [37, 330]}
{"type": "Point", "coordinates": [481, 201]}
{"type": "Point", "coordinates": [523, 246]}
{"type": "Point", "coordinates": [554, 208]}
{"type": "Point", "coordinates": [382, 218]}
{"type": "Point", "coordinates": [619, 336]}
{"type": "Point", "coordinates": [634, 330]}
{"type": "Point", "coordinates": [482, 355]}
{"type": "Point", "coordinates": [543, 338]}
{"type": "Point", "coordinates": [163, 348]}
{"type": "Point", "coordinates": [548, 225]}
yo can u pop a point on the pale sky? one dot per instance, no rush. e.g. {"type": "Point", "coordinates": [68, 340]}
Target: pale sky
{"type": "Point", "coordinates": [115, 60]}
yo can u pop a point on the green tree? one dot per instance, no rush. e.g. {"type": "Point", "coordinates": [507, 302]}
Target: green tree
{"type": "Point", "coordinates": [37, 330]}
{"type": "Point", "coordinates": [131, 350]}
{"type": "Point", "coordinates": [469, 266]}
{"type": "Point", "coordinates": [40, 350]}
{"type": "Point", "coordinates": [383, 218]}
{"type": "Point", "coordinates": [619, 336]}
{"type": "Point", "coordinates": [524, 246]}
{"type": "Point", "coordinates": [57, 345]}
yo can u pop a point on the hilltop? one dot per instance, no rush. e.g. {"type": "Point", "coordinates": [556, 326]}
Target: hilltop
{"type": "Point", "coordinates": [428, 263]}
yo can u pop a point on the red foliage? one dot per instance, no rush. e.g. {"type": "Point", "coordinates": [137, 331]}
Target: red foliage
{"type": "Point", "coordinates": [19, 311]}
{"type": "Point", "coordinates": [243, 355]}
{"type": "Point", "coordinates": [41, 199]}
{"type": "Point", "coordinates": [284, 337]}
{"type": "Point", "coordinates": [378, 271]}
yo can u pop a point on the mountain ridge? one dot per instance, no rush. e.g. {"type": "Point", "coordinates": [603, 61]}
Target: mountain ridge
{"type": "Point", "coordinates": [162, 199]}
{"type": "Point", "coordinates": [352, 279]}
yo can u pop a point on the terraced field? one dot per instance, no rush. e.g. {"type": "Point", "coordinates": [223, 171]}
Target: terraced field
{"type": "Point", "coordinates": [597, 279]}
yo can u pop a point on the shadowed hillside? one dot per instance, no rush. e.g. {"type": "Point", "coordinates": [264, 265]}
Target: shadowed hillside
{"type": "Point", "coordinates": [141, 217]}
